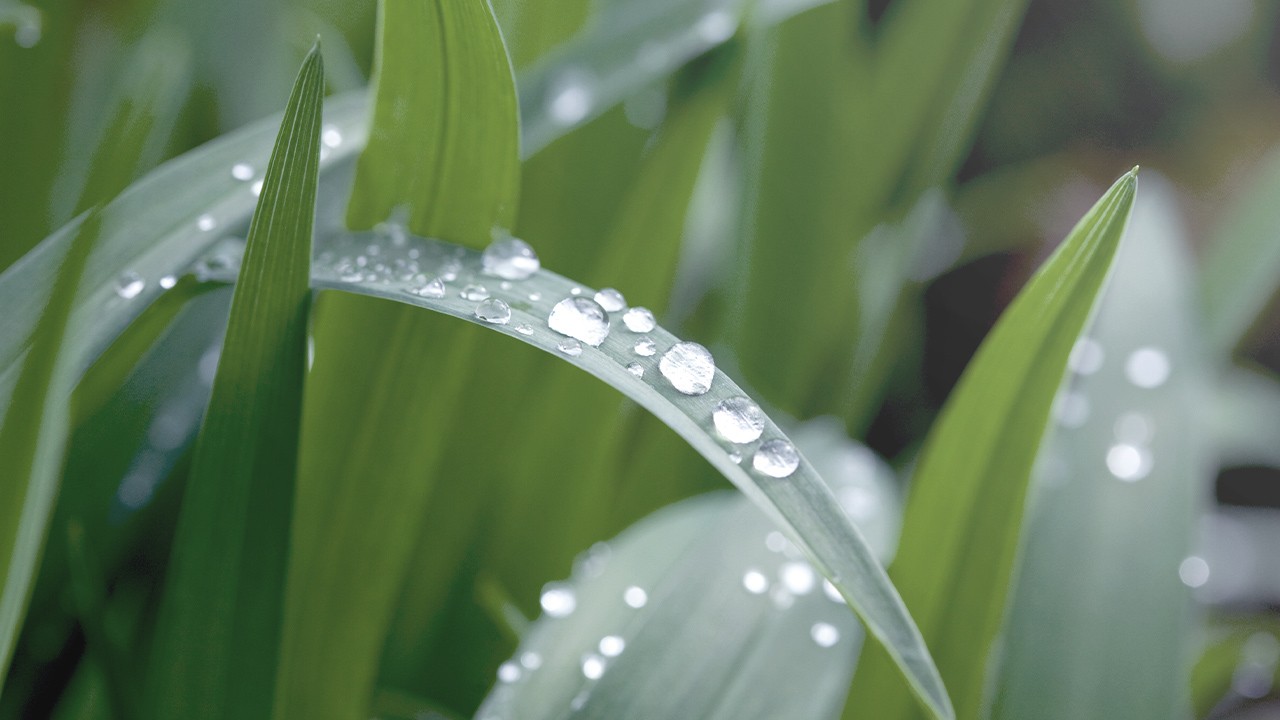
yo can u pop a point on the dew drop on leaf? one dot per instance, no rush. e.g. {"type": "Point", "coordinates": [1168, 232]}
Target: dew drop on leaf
{"type": "Point", "coordinates": [474, 293]}
{"type": "Point", "coordinates": [635, 597]}
{"type": "Point", "coordinates": [824, 634]}
{"type": "Point", "coordinates": [570, 347]}
{"type": "Point", "coordinates": [242, 171]}
{"type": "Point", "coordinates": [494, 311]}
{"type": "Point", "coordinates": [639, 319]}
{"type": "Point", "coordinates": [524, 329]}
{"type": "Point", "coordinates": [510, 259]}
{"type": "Point", "coordinates": [636, 369]}
{"type": "Point", "coordinates": [776, 458]}
{"type": "Point", "coordinates": [581, 319]}
{"type": "Point", "coordinates": [645, 347]}
{"type": "Point", "coordinates": [611, 300]}
{"type": "Point", "coordinates": [558, 600]}
{"type": "Point", "coordinates": [434, 288]}
{"type": "Point", "coordinates": [129, 285]}
{"type": "Point", "coordinates": [738, 420]}
{"type": "Point", "coordinates": [689, 368]}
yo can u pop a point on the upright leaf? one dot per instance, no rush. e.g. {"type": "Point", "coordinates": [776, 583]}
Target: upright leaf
{"type": "Point", "coordinates": [218, 632]}
{"type": "Point", "coordinates": [445, 135]}
{"type": "Point", "coordinates": [964, 514]}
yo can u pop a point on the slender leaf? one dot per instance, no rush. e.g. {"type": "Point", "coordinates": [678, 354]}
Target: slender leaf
{"type": "Point", "coordinates": [218, 631]}
{"type": "Point", "coordinates": [964, 514]}
{"type": "Point", "coordinates": [444, 119]}
{"type": "Point", "coordinates": [1121, 476]}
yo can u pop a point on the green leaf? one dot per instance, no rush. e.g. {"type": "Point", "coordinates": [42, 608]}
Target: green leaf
{"type": "Point", "coordinates": [1121, 476]}
{"type": "Point", "coordinates": [444, 119]}
{"type": "Point", "coordinates": [33, 436]}
{"type": "Point", "coordinates": [219, 625]}
{"type": "Point", "coordinates": [1239, 653]}
{"type": "Point", "coordinates": [964, 514]}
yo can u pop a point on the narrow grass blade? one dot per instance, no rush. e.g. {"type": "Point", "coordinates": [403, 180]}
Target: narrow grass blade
{"type": "Point", "coordinates": [1121, 476]}
{"type": "Point", "coordinates": [218, 631]}
{"type": "Point", "coordinates": [444, 118]}
{"type": "Point", "coordinates": [33, 436]}
{"type": "Point", "coordinates": [964, 514]}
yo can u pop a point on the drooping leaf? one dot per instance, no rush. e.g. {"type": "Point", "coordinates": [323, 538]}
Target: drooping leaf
{"type": "Point", "coordinates": [219, 626]}
{"type": "Point", "coordinates": [444, 139]}
{"type": "Point", "coordinates": [964, 513]}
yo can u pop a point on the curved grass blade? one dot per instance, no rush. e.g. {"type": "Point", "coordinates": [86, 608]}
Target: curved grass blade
{"type": "Point", "coordinates": [444, 118]}
{"type": "Point", "coordinates": [1082, 613]}
{"type": "Point", "coordinates": [964, 514]}
{"type": "Point", "coordinates": [218, 631]}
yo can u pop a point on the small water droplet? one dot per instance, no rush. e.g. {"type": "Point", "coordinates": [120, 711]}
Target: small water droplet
{"type": "Point", "coordinates": [474, 293]}
{"type": "Point", "coordinates": [735, 457]}
{"type": "Point", "coordinates": [636, 369]}
{"type": "Point", "coordinates": [206, 222]}
{"type": "Point", "coordinates": [510, 259]}
{"type": "Point", "coordinates": [645, 347]}
{"type": "Point", "coordinates": [571, 100]}
{"type": "Point", "coordinates": [168, 281]}
{"type": "Point", "coordinates": [689, 368]}
{"type": "Point", "coordinates": [331, 136]}
{"type": "Point", "coordinates": [1193, 571]}
{"type": "Point", "coordinates": [242, 171]}
{"type": "Point", "coordinates": [824, 634]}
{"type": "Point", "coordinates": [612, 645]}
{"type": "Point", "coordinates": [129, 285]}
{"type": "Point", "coordinates": [776, 458]}
{"type": "Point", "coordinates": [738, 420]}
{"type": "Point", "coordinates": [797, 577]}
{"type": "Point", "coordinates": [558, 600]}
{"type": "Point", "coordinates": [1147, 367]}
{"type": "Point", "coordinates": [575, 291]}
{"type": "Point", "coordinates": [535, 296]}
{"type": "Point", "coordinates": [635, 597]}
{"type": "Point", "coordinates": [524, 329]}
{"type": "Point", "coordinates": [434, 288]}
{"type": "Point", "coordinates": [592, 666]}
{"type": "Point", "coordinates": [570, 347]}
{"type": "Point", "coordinates": [755, 582]}
{"type": "Point", "coordinates": [1128, 462]}
{"type": "Point", "coordinates": [639, 319]}
{"type": "Point", "coordinates": [531, 660]}
{"type": "Point", "coordinates": [581, 319]}
{"type": "Point", "coordinates": [508, 672]}
{"type": "Point", "coordinates": [611, 300]}
{"type": "Point", "coordinates": [494, 311]}
{"type": "Point", "coordinates": [256, 188]}
{"type": "Point", "coordinates": [831, 592]}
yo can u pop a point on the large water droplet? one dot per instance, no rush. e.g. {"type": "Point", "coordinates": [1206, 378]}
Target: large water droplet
{"type": "Point", "coordinates": [494, 311]}
{"type": "Point", "coordinates": [129, 285]}
{"type": "Point", "coordinates": [510, 259]}
{"type": "Point", "coordinates": [558, 600]}
{"type": "Point", "coordinates": [824, 634]}
{"type": "Point", "coordinates": [689, 368]}
{"type": "Point", "coordinates": [475, 293]}
{"type": "Point", "coordinates": [645, 347]}
{"type": "Point", "coordinates": [776, 458]}
{"type": "Point", "coordinates": [611, 300]}
{"type": "Point", "coordinates": [738, 420]}
{"type": "Point", "coordinates": [581, 319]}
{"type": "Point", "coordinates": [639, 319]}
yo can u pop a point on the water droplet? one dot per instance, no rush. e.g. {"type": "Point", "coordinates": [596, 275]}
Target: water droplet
{"type": "Point", "coordinates": [1128, 462]}
{"type": "Point", "coordinates": [494, 311]}
{"type": "Point", "coordinates": [331, 136]}
{"type": "Point", "coordinates": [129, 285]}
{"type": "Point", "coordinates": [645, 347]}
{"type": "Point", "coordinates": [474, 293]}
{"type": "Point", "coordinates": [776, 541]}
{"type": "Point", "coordinates": [592, 667]}
{"type": "Point", "coordinates": [535, 296]}
{"type": "Point", "coordinates": [611, 300]}
{"type": "Point", "coordinates": [639, 319]}
{"type": "Point", "coordinates": [508, 672]}
{"type": "Point", "coordinates": [738, 420]}
{"type": "Point", "coordinates": [831, 592]}
{"type": "Point", "coordinates": [206, 222]}
{"type": "Point", "coordinates": [242, 171]}
{"type": "Point", "coordinates": [1086, 357]}
{"type": "Point", "coordinates": [612, 645]}
{"type": "Point", "coordinates": [510, 259]}
{"type": "Point", "coordinates": [755, 582]}
{"type": "Point", "coordinates": [575, 291]}
{"type": "Point", "coordinates": [636, 369]}
{"type": "Point", "coordinates": [433, 289]}
{"type": "Point", "coordinates": [524, 329]}
{"type": "Point", "coordinates": [798, 578]}
{"type": "Point", "coordinates": [689, 368]}
{"type": "Point", "coordinates": [824, 634]}
{"type": "Point", "coordinates": [715, 27]}
{"type": "Point", "coordinates": [558, 600]}
{"type": "Point", "coordinates": [635, 597]}
{"type": "Point", "coordinates": [572, 348]}
{"type": "Point", "coordinates": [256, 188]}
{"type": "Point", "coordinates": [1147, 367]}
{"type": "Point", "coordinates": [571, 100]}
{"type": "Point", "coordinates": [531, 660]}
{"type": "Point", "coordinates": [776, 458]}
{"type": "Point", "coordinates": [735, 457]}
{"type": "Point", "coordinates": [168, 281]}
{"type": "Point", "coordinates": [1193, 571]}
{"type": "Point", "coordinates": [581, 319]}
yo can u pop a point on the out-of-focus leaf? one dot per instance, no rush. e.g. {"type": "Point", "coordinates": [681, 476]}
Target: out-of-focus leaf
{"type": "Point", "coordinates": [1243, 260]}
{"type": "Point", "coordinates": [964, 513]}
{"type": "Point", "coordinates": [1245, 418]}
{"type": "Point", "coordinates": [219, 626]}
{"type": "Point", "coordinates": [1240, 661]}
{"type": "Point", "coordinates": [444, 139]}
{"type": "Point", "coordinates": [1121, 477]}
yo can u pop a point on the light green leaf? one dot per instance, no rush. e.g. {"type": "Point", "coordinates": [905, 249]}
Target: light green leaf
{"type": "Point", "coordinates": [1239, 654]}
{"type": "Point", "coordinates": [1244, 416]}
{"type": "Point", "coordinates": [964, 513]}
{"type": "Point", "coordinates": [1121, 476]}
{"type": "Point", "coordinates": [445, 132]}
{"type": "Point", "coordinates": [219, 624]}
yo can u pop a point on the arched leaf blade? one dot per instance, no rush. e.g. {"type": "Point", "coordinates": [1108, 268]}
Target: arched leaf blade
{"type": "Point", "coordinates": [219, 625]}
{"type": "Point", "coordinates": [964, 514]}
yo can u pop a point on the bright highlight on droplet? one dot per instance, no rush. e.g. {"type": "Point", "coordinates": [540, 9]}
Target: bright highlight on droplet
{"type": "Point", "coordinates": [508, 672]}
{"type": "Point", "coordinates": [689, 368]}
{"type": "Point", "coordinates": [1128, 462]}
{"type": "Point", "coordinates": [635, 597]}
{"type": "Point", "coordinates": [331, 136]}
{"type": "Point", "coordinates": [776, 458]}
{"type": "Point", "coordinates": [1147, 367]}
{"type": "Point", "coordinates": [129, 285]}
{"type": "Point", "coordinates": [738, 420]}
{"type": "Point", "coordinates": [242, 171]}
{"type": "Point", "coordinates": [612, 645]}
{"type": "Point", "coordinates": [755, 582]}
{"type": "Point", "coordinates": [798, 578]}
{"type": "Point", "coordinates": [558, 601]}
{"type": "Point", "coordinates": [1194, 571]}
{"type": "Point", "coordinates": [168, 281]}
{"type": "Point", "coordinates": [206, 222]}
{"type": "Point", "coordinates": [593, 667]}
{"type": "Point", "coordinates": [581, 319]}
{"type": "Point", "coordinates": [824, 634]}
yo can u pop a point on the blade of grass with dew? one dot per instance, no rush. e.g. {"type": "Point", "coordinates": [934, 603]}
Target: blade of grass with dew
{"type": "Point", "coordinates": [33, 436]}
{"type": "Point", "coordinates": [1242, 261]}
{"type": "Point", "coordinates": [224, 591]}
{"type": "Point", "coordinates": [445, 98]}
{"type": "Point", "coordinates": [1122, 475]}
{"type": "Point", "coordinates": [964, 513]}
